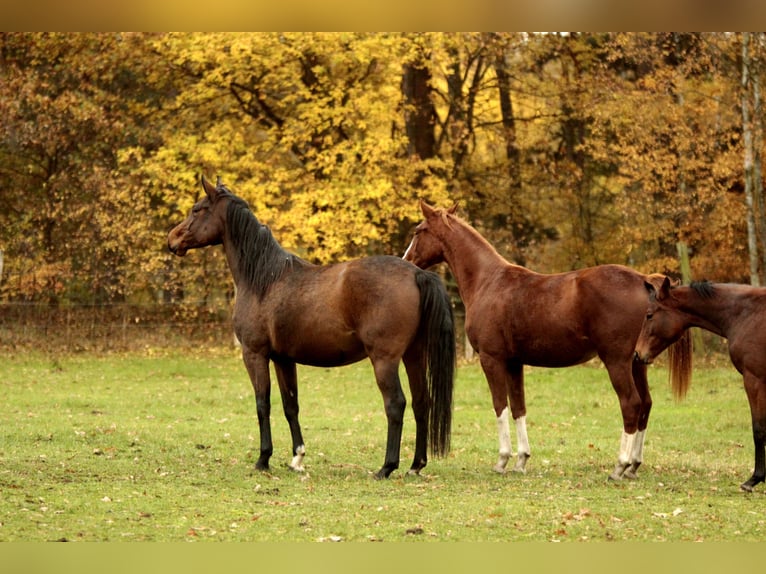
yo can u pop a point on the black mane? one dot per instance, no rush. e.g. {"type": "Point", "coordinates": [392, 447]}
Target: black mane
{"type": "Point", "coordinates": [262, 260]}
{"type": "Point", "coordinates": [704, 289]}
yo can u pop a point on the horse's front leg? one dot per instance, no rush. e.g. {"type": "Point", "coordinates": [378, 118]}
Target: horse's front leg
{"type": "Point", "coordinates": [507, 382]}
{"type": "Point", "coordinates": [620, 374]}
{"type": "Point", "coordinates": [257, 365]}
{"type": "Point", "coordinates": [288, 387]}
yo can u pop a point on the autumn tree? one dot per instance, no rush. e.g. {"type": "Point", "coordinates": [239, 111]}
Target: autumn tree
{"type": "Point", "coordinates": [65, 112]}
{"type": "Point", "coordinates": [565, 150]}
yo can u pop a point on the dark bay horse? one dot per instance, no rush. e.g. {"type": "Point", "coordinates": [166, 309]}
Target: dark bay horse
{"type": "Point", "coordinates": [289, 311]}
{"type": "Point", "coordinates": [736, 312]}
{"type": "Point", "coordinates": [516, 317]}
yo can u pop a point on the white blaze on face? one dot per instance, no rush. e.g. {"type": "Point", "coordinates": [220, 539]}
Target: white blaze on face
{"type": "Point", "coordinates": [408, 249]}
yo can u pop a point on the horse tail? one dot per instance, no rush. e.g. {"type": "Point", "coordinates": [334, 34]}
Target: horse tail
{"type": "Point", "coordinates": [680, 364]}
{"type": "Point", "coordinates": [438, 325]}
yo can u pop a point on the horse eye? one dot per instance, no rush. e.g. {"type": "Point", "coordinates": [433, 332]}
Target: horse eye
{"type": "Point", "coordinates": [649, 316]}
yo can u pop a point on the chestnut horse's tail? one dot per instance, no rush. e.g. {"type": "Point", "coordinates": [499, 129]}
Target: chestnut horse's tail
{"type": "Point", "coordinates": [680, 364]}
{"type": "Point", "coordinates": [438, 326]}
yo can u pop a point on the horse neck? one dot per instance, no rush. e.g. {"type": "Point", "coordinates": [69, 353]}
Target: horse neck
{"type": "Point", "coordinates": [255, 257]}
{"type": "Point", "coordinates": [470, 257]}
{"type": "Point", "coordinates": [712, 313]}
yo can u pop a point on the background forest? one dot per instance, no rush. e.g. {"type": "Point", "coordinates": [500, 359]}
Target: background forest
{"type": "Point", "coordinates": [564, 150]}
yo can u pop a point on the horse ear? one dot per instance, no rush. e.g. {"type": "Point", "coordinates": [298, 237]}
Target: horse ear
{"type": "Point", "coordinates": [665, 289]}
{"type": "Point", "coordinates": [210, 189]}
{"type": "Point", "coordinates": [452, 209]}
{"type": "Point", "coordinates": [653, 282]}
{"type": "Point", "coordinates": [426, 209]}
{"type": "Point", "coordinates": [657, 285]}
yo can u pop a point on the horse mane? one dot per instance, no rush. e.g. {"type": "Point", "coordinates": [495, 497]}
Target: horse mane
{"type": "Point", "coordinates": [262, 260]}
{"type": "Point", "coordinates": [680, 353]}
{"type": "Point", "coordinates": [704, 289]}
{"type": "Point", "coordinates": [448, 219]}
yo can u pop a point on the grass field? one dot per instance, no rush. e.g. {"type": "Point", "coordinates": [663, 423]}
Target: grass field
{"type": "Point", "coordinates": [161, 448]}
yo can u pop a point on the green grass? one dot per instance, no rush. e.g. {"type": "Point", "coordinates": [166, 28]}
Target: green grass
{"type": "Point", "coordinates": [162, 448]}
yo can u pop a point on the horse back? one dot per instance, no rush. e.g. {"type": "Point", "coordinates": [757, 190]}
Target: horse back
{"type": "Point", "coordinates": [336, 314]}
{"type": "Point", "coordinates": [560, 319]}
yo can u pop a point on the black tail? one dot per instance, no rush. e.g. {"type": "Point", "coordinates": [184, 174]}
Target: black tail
{"type": "Point", "coordinates": [438, 324]}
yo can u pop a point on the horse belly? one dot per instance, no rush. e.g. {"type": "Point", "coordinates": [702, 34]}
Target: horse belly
{"type": "Point", "coordinates": [320, 347]}
{"type": "Point", "coordinates": [553, 351]}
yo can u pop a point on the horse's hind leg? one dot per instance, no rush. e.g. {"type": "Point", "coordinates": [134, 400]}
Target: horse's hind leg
{"type": "Point", "coordinates": [288, 387]}
{"type": "Point", "coordinates": [387, 377]}
{"type": "Point", "coordinates": [414, 363]}
{"type": "Point", "coordinates": [756, 394]}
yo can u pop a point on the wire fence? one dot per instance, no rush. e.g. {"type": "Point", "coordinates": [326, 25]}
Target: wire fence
{"type": "Point", "coordinates": [113, 327]}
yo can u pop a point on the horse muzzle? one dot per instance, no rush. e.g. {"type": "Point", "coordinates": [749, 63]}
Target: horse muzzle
{"type": "Point", "coordinates": [176, 248]}
{"type": "Point", "coordinates": [638, 358]}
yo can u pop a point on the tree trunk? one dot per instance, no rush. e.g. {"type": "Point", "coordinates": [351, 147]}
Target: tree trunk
{"type": "Point", "coordinates": [516, 217]}
{"type": "Point", "coordinates": [420, 114]}
{"type": "Point", "coordinates": [749, 162]}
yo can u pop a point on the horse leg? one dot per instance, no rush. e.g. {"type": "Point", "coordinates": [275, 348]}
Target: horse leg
{"type": "Point", "coordinates": [387, 377]}
{"type": "Point", "coordinates": [519, 413]}
{"type": "Point", "coordinates": [501, 386]}
{"type": "Point", "coordinates": [288, 387]}
{"type": "Point", "coordinates": [258, 368]}
{"type": "Point", "coordinates": [756, 395]}
{"type": "Point", "coordinates": [642, 386]}
{"type": "Point", "coordinates": [414, 363]}
{"type": "Point", "coordinates": [621, 377]}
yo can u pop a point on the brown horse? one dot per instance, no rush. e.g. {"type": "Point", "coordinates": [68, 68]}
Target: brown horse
{"type": "Point", "coordinates": [289, 311]}
{"type": "Point", "coordinates": [736, 312]}
{"type": "Point", "coordinates": [516, 317]}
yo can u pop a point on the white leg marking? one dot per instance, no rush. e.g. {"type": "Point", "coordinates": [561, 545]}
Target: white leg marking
{"type": "Point", "coordinates": [297, 463]}
{"type": "Point", "coordinates": [623, 459]}
{"type": "Point", "coordinates": [626, 447]}
{"type": "Point", "coordinates": [636, 455]}
{"type": "Point", "coordinates": [522, 443]}
{"type": "Point", "coordinates": [504, 435]}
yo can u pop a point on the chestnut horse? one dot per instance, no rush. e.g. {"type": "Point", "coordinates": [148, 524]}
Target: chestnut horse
{"type": "Point", "coordinates": [289, 311]}
{"type": "Point", "coordinates": [735, 312]}
{"type": "Point", "coordinates": [516, 317]}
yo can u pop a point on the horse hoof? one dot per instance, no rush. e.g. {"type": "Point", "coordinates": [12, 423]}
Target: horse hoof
{"type": "Point", "coordinates": [414, 472]}
{"type": "Point", "coordinates": [746, 487]}
{"type": "Point", "coordinates": [630, 475]}
{"type": "Point", "coordinates": [499, 469]}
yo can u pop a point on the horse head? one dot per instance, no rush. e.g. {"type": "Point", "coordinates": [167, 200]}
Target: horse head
{"type": "Point", "coordinates": [662, 325]}
{"type": "Point", "coordinates": [426, 248]}
{"type": "Point", "coordinates": [204, 225]}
